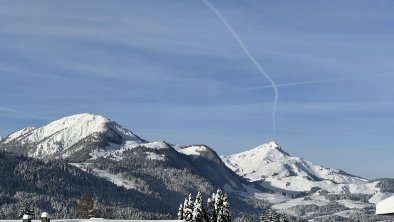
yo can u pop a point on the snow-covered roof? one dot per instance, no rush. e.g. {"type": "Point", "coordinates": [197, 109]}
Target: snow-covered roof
{"type": "Point", "coordinates": [386, 206]}
{"type": "Point", "coordinates": [45, 214]}
{"type": "Point", "coordinates": [26, 217]}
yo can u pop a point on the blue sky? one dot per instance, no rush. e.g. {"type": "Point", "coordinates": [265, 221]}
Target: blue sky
{"type": "Point", "coordinates": [169, 70]}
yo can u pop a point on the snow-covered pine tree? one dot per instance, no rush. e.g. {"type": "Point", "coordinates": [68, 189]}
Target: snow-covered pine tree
{"type": "Point", "coordinates": [269, 215]}
{"type": "Point", "coordinates": [2, 215]}
{"type": "Point", "coordinates": [26, 209]}
{"type": "Point", "coordinates": [273, 216]}
{"type": "Point", "coordinates": [210, 214]}
{"type": "Point", "coordinates": [264, 217]}
{"type": "Point", "coordinates": [284, 218]}
{"type": "Point", "coordinates": [188, 206]}
{"type": "Point", "coordinates": [218, 203]}
{"type": "Point", "coordinates": [226, 209]}
{"type": "Point", "coordinates": [222, 206]}
{"type": "Point", "coordinates": [219, 206]}
{"type": "Point", "coordinates": [85, 207]}
{"type": "Point", "coordinates": [180, 212]}
{"type": "Point", "coordinates": [198, 211]}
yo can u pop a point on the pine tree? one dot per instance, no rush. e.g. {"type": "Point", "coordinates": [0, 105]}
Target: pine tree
{"type": "Point", "coordinates": [2, 215]}
{"type": "Point", "coordinates": [180, 212]}
{"type": "Point", "coordinates": [198, 211]}
{"type": "Point", "coordinates": [188, 206]}
{"type": "Point", "coordinates": [226, 209]}
{"type": "Point", "coordinates": [211, 213]}
{"type": "Point", "coordinates": [85, 207]}
{"type": "Point", "coordinates": [270, 215]}
{"type": "Point", "coordinates": [273, 216]}
{"type": "Point", "coordinates": [284, 218]}
{"type": "Point", "coordinates": [26, 209]}
{"type": "Point", "coordinates": [219, 205]}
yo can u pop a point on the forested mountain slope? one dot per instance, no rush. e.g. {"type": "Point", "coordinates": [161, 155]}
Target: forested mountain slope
{"type": "Point", "coordinates": [135, 178]}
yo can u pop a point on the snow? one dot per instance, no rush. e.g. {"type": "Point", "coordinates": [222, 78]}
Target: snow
{"type": "Point", "coordinates": [346, 213]}
{"type": "Point", "coordinates": [26, 217]}
{"type": "Point", "coordinates": [385, 206]}
{"type": "Point", "coordinates": [379, 196]}
{"type": "Point", "coordinates": [59, 135]}
{"type": "Point", "coordinates": [156, 145]}
{"type": "Point", "coordinates": [273, 198]}
{"type": "Point", "coordinates": [95, 154]}
{"type": "Point", "coordinates": [270, 166]}
{"type": "Point", "coordinates": [115, 179]}
{"type": "Point", "coordinates": [45, 214]}
{"type": "Point", "coordinates": [154, 156]}
{"type": "Point", "coordinates": [17, 134]}
{"type": "Point", "coordinates": [68, 130]}
{"type": "Point", "coordinates": [312, 199]}
{"type": "Point", "coordinates": [96, 219]}
{"type": "Point", "coordinates": [130, 145]}
{"type": "Point", "coordinates": [296, 184]}
{"type": "Point", "coordinates": [269, 160]}
{"type": "Point", "coordinates": [278, 171]}
{"type": "Point", "coordinates": [351, 204]}
{"type": "Point", "coordinates": [110, 149]}
{"type": "Point", "coordinates": [194, 151]}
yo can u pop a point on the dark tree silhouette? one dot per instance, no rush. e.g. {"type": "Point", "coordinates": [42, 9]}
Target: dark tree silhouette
{"type": "Point", "coordinates": [85, 207]}
{"type": "Point", "coordinates": [26, 209]}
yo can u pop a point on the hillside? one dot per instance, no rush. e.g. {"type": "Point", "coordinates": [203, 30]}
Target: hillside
{"type": "Point", "coordinates": [55, 187]}
{"type": "Point", "coordinates": [153, 178]}
{"type": "Point", "coordinates": [303, 188]}
{"type": "Point", "coordinates": [104, 149]}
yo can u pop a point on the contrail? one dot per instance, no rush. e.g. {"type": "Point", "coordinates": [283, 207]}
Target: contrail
{"type": "Point", "coordinates": [320, 81]}
{"type": "Point", "coordinates": [247, 52]}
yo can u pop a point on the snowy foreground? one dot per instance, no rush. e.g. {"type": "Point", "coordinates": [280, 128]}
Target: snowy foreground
{"type": "Point", "coordinates": [95, 219]}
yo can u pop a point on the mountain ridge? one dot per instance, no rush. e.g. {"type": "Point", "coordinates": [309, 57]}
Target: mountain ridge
{"type": "Point", "coordinates": [263, 175]}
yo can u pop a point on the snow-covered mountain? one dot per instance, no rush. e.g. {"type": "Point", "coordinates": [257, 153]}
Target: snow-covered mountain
{"type": "Point", "coordinates": [302, 186]}
{"type": "Point", "coordinates": [262, 175]}
{"type": "Point", "coordinates": [104, 148]}
{"type": "Point", "coordinates": [71, 137]}
{"type": "Point", "coordinates": [270, 164]}
{"type": "Point", "coordinates": [86, 137]}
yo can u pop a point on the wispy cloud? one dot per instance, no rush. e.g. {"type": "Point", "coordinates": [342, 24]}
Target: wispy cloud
{"type": "Point", "coordinates": [171, 66]}
{"type": "Point", "coordinates": [23, 114]}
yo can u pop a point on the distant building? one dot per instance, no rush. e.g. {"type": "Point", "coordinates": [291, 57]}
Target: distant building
{"type": "Point", "coordinates": [385, 207]}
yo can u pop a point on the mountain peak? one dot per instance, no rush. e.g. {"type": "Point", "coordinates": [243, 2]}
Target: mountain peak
{"type": "Point", "coordinates": [273, 143]}
{"type": "Point", "coordinates": [82, 117]}
{"type": "Point", "coordinates": [270, 161]}
{"type": "Point", "coordinates": [269, 145]}
{"type": "Point", "coordinates": [267, 149]}
{"type": "Point", "coordinates": [65, 136]}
